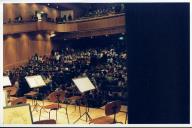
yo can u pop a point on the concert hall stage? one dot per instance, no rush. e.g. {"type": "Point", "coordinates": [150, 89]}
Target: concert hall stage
{"type": "Point", "coordinates": [73, 114]}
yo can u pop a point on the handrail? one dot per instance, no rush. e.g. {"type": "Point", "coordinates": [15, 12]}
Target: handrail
{"type": "Point", "coordinates": [73, 21]}
{"type": "Point", "coordinates": [97, 18]}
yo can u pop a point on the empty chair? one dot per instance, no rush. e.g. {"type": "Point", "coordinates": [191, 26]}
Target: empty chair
{"type": "Point", "coordinates": [51, 121]}
{"type": "Point", "coordinates": [11, 90]}
{"type": "Point", "coordinates": [33, 95]}
{"type": "Point", "coordinates": [111, 108]}
{"type": "Point", "coordinates": [77, 100]}
{"type": "Point", "coordinates": [20, 100]}
{"type": "Point", "coordinates": [58, 97]}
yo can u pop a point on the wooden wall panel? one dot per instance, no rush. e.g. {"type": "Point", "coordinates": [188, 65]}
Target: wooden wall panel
{"type": "Point", "coordinates": [18, 28]}
{"type": "Point", "coordinates": [38, 47]}
{"type": "Point", "coordinates": [11, 50]}
{"type": "Point", "coordinates": [46, 26]}
{"type": "Point", "coordinates": [68, 27]}
{"type": "Point", "coordinates": [18, 49]}
{"type": "Point", "coordinates": [26, 10]}
{"type": "Point", "coordinates": [71, 27]}
{"type": "Point", "coordinates": [8, 12]}
{"type": "Point", "coordinates": [48, 45]}
{"type": "Point", "coordinates": [105, 23]}
{"type": "Point", "coordinates": [23, 48]}
{"type": "Point", "coordinates": [102, 23]}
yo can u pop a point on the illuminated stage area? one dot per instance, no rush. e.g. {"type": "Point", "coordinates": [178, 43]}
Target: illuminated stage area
{"type": "Point", "coordinates": [74, 114]}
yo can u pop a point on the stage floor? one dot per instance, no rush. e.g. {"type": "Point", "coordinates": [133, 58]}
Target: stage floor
{"type": "Point", "coordinates": [74, 114]}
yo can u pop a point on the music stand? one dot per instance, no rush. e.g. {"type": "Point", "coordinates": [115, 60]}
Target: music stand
{"type": "Point", "coordinates": [6, 81]}
{"type": "Point", "coordinates": [84, 85]}
{"type": "Point", "coordinates": [35, 82]}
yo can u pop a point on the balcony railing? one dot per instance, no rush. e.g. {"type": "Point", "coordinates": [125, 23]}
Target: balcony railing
{"type": "Point", "coordinates": [70, 26]}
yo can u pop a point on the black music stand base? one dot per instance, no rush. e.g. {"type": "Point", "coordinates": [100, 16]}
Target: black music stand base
{"type": "Point", "coordinates": [86, 114]}
{"type": "Point", "coordinates": [84, 89]}
{"type": "Point", "coordinates": [36, 106]}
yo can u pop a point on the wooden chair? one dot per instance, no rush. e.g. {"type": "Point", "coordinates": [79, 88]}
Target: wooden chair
{"type": "Point", "coordinates": [11, 91]}
{"type": "Point", "coordinates": [45, 122]}
{"type": "Point", "coordinates": [33, 95]}
{"type": "Point", "coordinates": [77, 100]}
{"type": "Point", "coordinates": [58, 97]}
{"type": "Point", "coordinates": [21, 100]}
{"type": "Point", "coordinates": [111, 108]}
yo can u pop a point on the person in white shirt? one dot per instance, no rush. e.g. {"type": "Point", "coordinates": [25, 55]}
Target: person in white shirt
{"type": "Point", "coordinates": [58, 57]}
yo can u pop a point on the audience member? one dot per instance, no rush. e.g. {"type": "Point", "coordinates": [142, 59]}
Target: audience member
{"type": "Point", "coordinates": [106, 68]}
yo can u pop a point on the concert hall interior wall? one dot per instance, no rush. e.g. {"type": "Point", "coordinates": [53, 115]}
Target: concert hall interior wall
{"type": "Point", "coordinates": [18, 48]}
{"type": "Point", "coordinates": [26, 11]}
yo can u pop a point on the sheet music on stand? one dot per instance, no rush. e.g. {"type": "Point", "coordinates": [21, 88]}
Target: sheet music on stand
{"type": "Point", "coordinates": [83, 84]}
{"type": "Point", "coordinates": [17, 114]}
{"type": "Point", "coordinates": [6, 81]}
{"type": "Point", "coordinates": [35, 81]}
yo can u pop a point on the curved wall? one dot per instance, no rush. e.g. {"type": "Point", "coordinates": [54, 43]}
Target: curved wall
{"type": "Point", "coordinates": [18, 49]}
